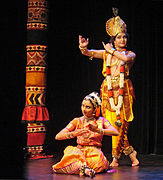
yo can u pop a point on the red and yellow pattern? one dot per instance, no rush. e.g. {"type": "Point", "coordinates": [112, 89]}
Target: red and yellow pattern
{"type": "Point", "coordinates": [35, 96]}
{"type": "Point", "coordinates": [36, 47]}
{"type": "Point", "coordinates": [39, 26]}
{"type": "Point", "coordinates": [37, 15]}
{"type": "Point", "coordinates": [37, 58]}
{"type": "Point", "coordinates": [35, 137]}
{"type": "Point", "coordinates": [37, 3]}
{"type": "Point", "coordinates": [35, 111]}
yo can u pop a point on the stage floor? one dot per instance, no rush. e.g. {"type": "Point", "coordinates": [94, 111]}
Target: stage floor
{"type": "Point", "coordinates": [151, 167]}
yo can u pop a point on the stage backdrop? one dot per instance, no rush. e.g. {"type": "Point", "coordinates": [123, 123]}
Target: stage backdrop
{"type": "Point", "coordinates": [71, 75]}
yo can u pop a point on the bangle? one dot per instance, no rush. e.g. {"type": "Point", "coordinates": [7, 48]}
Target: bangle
{"type": "Point", "coordinates": [92, 56]}
{"type": "Point", "coordinates": [83, 49]}
{"type": "Point", "coordinates": [69, 135]}
{"type": "Point", "coordinates": [101, 131]}
{"type": "Point", "coordinates": [111, 51]}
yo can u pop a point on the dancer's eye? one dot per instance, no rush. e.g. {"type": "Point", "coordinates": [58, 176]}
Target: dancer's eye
{"type": "Point", "coordinates": [88, 107]}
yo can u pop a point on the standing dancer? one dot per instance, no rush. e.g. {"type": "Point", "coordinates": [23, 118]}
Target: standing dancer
{"type": "Point", "coordinates": [116, 90]}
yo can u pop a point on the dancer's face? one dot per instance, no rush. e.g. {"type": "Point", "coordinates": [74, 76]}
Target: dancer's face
{"type": "Point", "coordinates": [120, 40]}
{"type": "Point", "coordinates": [87, 108]}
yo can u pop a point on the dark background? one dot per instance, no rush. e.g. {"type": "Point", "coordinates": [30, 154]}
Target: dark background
{"type": "Point", "coordinates": [71, 75]}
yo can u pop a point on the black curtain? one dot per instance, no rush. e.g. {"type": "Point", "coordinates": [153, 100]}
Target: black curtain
{"type": "Point", "coordinates": [71, 75]}
{"type": "Point", "coordinates": [13, 17]}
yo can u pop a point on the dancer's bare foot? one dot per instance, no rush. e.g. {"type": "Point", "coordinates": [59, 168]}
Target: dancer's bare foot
{"type": "Point", "coordinates": [89, 172]}
{"type": "Point", "coordinates": [114, 163]}
{"type": "Point", "coordinates": [85, 170]}
{"type": "Point", "coordinates": [133, 158]}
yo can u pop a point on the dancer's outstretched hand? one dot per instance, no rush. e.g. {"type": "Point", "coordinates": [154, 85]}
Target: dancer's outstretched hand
{"type": "Point", "coordinates": [83, 42]}
{"type": "Point", "coordinates": [108, 46]}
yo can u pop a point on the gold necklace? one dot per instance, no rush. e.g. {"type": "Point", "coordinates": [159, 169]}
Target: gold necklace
{"type": "Point", "coordinates": [114, 63]}
{"type": "Point", "coordinates": [88, 119]}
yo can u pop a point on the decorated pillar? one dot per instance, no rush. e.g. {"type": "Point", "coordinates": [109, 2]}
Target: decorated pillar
{"type": "Point", "coordinates": [35, 113]}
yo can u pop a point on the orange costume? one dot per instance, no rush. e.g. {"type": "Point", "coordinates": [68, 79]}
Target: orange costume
{"type": "Point", "coordinates": [87, 152]}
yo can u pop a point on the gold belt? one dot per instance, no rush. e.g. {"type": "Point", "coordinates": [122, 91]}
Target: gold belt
{"type": "Point", "coordinates": [114, 79]}
{"type": "Point", "coordinates": [85, 146]}
{"type": "Point", "coordinates": [117, 78]}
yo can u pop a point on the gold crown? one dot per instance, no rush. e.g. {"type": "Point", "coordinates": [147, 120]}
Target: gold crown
{"type": "Point", "coordinates": [115, 25]}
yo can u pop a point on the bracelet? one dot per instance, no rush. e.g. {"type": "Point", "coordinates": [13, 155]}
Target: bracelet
{"type": "Point", "coordinates": [69, 135]}
{"type": "Point", "coordinates": [101, 131]}
{"type": "Point", "coordinates": [92, 56]}
{"type": "Point", "coordinates": [83, 49]}
{"type": "Point", "coordinates": [111, 51]}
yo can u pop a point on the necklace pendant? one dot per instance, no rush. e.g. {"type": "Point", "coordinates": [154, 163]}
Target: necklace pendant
{"type": "Point", "coordinates": [118, 122]}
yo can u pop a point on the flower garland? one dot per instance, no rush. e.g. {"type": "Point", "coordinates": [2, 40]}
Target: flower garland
{"type": "Point", "coordinates": [117, 107]}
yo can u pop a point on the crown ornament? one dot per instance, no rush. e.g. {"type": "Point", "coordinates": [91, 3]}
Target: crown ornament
{"type": "Point", "coordinates": [115, 25]}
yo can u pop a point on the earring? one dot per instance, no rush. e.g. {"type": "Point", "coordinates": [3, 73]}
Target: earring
{"type": "Point", "coordinates": [97, 114]}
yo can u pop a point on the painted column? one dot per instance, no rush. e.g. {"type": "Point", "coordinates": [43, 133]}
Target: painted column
{"type": "Point", "coordinates": [35, 113]}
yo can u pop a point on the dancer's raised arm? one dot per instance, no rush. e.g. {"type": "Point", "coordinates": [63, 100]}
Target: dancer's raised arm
{"type": "Point", "coordinates": [92, 53]}
{"type": "Point", "coordinates": [124, 57]}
